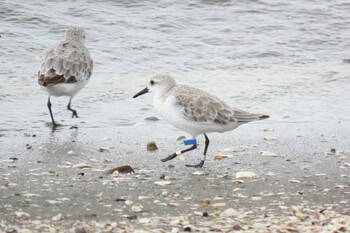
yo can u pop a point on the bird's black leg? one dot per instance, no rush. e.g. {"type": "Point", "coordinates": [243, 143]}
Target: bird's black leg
{"type": "Point", "coordinates": [173, 155]}
{"type": "Point", "coordinates": [54, 124]}
{"type": "Point", "coordinates": [75, 114]}
{"type": "Point", "coordinates": [204, 154]}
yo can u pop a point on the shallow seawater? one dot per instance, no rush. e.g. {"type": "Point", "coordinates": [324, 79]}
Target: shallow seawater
{"type": "Point", "coordinates": [280, 58]}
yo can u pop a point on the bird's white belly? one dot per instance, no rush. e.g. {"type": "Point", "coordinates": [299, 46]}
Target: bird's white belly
{"type": "Point", "coordinates": [173, 113]}
{"type": "Point", "coordinates": [65, 89]}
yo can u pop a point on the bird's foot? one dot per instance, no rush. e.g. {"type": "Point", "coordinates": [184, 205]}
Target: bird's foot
{"type": "Point", "coordinates": [75, 114]}
{"type": "Point", "coordinates": [197, 165]}
{"type": "Point", "coordinates": [55, 125]}
{"type": "Point", "coordinates": [170, 157]}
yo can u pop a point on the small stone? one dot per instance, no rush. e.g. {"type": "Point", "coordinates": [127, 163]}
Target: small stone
{"type": "Point", "coordinates": [205, 202]}
{"type": "Point", "coordinates": [237, 227]}
{"type": "Point", "coordinates": [136, 208]}
{"type": "Point", "coordinates": [70, 152]}
{"type": "Point", "coordinates": [120, 200]}
{"type": "Point", "coordinates": [28, 146]}
{"type": "Point", "coordinates": [152, 146]}
{"type": "Point", "coordinates": [152, 118]}
{"type": "Point", "coordinates": [80, 230]}
{"type": "Point", "coordinates": [188, 228]}
{"type": "Point", "coordinates": [131, 217]}
{"type": "Point", "coordinates": [104, 149]}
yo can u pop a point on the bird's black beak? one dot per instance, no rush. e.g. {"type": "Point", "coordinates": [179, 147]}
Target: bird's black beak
{"type": "Point", "coordinates": [144, 91]}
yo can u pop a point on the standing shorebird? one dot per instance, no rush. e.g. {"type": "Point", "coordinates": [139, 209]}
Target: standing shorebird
{"type": "Point", "coordinates": [194, 111]}
{"type": "Point", "coordinates": [66, 69]}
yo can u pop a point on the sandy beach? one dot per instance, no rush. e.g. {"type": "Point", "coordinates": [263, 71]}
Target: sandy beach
{"type": "Point", "coordinates": [57, 182]}
{"type": "Point", "coordinates": [289, 173]}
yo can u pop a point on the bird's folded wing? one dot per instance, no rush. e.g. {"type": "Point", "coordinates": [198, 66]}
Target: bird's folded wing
{"type": "Point", "coordinates": [200, 106]}
{"type": "Point", "coordinates": [65, 64]}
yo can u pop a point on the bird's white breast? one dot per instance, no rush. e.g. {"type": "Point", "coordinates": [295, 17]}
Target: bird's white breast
{"type": "Point", "coordinates": [173, 113]}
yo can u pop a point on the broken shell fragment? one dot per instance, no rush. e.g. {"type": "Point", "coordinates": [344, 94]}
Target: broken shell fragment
{"type": "Point", "coordinates": [269, 138]}
{"type": "Point", "coordinates": [268, 153]}
{"type": "Point", "coordinates": [152, 146]}
{"type": "Point", "coordinates": [230, 212]}
{"type": "Point", "coordinates": [81, 165]}
{"type": "Point", "coordinates": [136, 208]}
{"type": "Point", "coordinates": [162, 182]}
{"type": "Point", "coordinates": [121, 169]}
{"type": "Point", "coordinates": [246, 175]}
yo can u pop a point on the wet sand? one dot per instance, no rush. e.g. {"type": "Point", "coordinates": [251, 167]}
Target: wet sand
{"type": "Point", "coordinates": [284, 59]}
{"type": "Point", "coordinates": [42, 191]}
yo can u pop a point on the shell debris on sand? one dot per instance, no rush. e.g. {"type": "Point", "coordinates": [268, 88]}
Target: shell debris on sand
{"type": "Point", "coordinates": [152, 146]}
{"type": "Point", "coordinates": [268, 154]}
{"type": "Point", "coordinates": [218, 157]}
{"type": "Point", "coordinates": [162, 182]}
{"type": "Point", "coordinates": [81, 165]}
{"type": "Point", "coordinates": [104, 149]}
{"type": "Point", "coordinates": [121, 169]}
{"type": "Point", "coordinates": [270, 138]}
{"type": "Point", "coordinates": [246, 175]}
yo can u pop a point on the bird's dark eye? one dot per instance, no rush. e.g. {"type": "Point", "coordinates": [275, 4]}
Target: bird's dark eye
{"type": "Point", "coordinates": [151, 82]}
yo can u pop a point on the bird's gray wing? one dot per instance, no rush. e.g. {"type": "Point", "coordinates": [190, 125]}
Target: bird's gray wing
{"type": "Point", "coordinates": [65, 63]}
{"type": "Point", "coordinates": [200, 106]}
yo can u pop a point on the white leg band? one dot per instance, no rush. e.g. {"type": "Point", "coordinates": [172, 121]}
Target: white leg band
{"type": "Point", "coordinates": [178, 153]}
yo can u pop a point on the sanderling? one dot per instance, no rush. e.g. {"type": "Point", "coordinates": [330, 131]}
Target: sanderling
{"type": "Point", "coordinates": [194, 111]}
{"type": "Point", "coordinates": [66, 69]}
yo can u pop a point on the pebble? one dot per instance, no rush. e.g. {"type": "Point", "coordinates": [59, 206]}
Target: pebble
{"type": "Point", "coordinates": [163, 182]}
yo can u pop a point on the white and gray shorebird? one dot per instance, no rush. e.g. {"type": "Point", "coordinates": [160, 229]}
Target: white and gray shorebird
{"type": "Point", "coordinates": [66, 68]}
{"type": "Point", "coordinates": [194, 111]}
